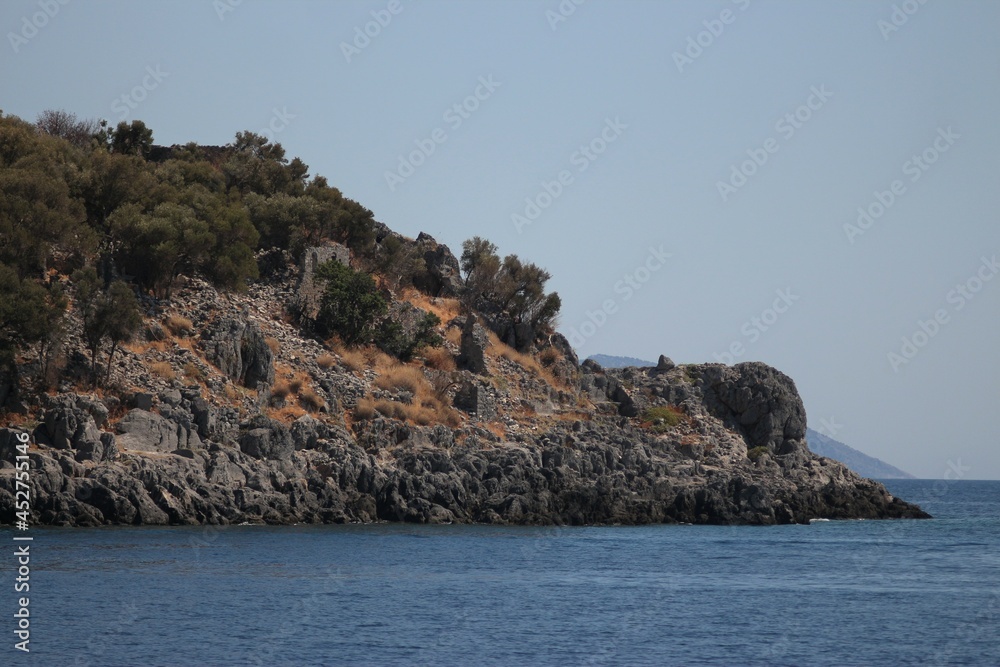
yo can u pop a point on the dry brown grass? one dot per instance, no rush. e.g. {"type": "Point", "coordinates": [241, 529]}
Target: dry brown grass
{"type": "Point", "coordinates": [326, 361]}
{"type": "Point", "coordinates": [445, 309]}
{"type": "Point", "coordinates": [406, 378]}
{"type": "Point", "coordinates": [497, 429]}
{"type": "Point", "coordinates": [439, 358]}
{"type": "Point", "coordinates": [310, 400]}
{"type": "Point", "coordinates": [192, 372]}
{"type": "Point", "coordinates": [232, 393]}
{"type": "Point", "coordinates": [353, 360]}
{"type": "Point", "coordinates": [163, 370]}
{"type": "Point", "coordinates": [453, 335]}
{"type": "Point", "coordinates": [296, 383]}
{"type": "Point", "coordinates": [286, 415]}
{"type": "Point", "coordinates": [273, 344]}
{"type": "Point", "coordinates": [178, 325]}
{"type": "Point", "coordinates": [365, 409]}
{"type": "Point", "coordinates": [280, 389]}
{"type": "Point", "coordinates": [549, 356]}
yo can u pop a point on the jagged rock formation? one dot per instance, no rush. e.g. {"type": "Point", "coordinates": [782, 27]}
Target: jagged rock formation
{"type": "Point", "coordinates": [738, 456]}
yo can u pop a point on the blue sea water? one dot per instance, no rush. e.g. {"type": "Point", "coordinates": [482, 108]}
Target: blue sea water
{"type": "Point", "coordinates": [830, 593]}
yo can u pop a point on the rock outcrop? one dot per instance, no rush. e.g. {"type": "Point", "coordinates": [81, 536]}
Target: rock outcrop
{"type": "Point", "coordinates": [737, 456]}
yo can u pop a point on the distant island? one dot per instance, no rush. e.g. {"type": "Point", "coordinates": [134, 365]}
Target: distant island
{"type": "Point", "coordinates": [209, 335]}
{"type": "Point", "coordinates": [859, 462]}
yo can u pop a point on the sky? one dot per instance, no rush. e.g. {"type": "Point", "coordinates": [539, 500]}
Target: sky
{"type": "Point", "coordinates": [811, 185]}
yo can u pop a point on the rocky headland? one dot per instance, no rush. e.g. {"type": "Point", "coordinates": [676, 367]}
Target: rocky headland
{"type": "Point", "coordinates": [223, 411]}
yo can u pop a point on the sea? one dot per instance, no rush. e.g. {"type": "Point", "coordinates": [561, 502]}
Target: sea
{"type": "Point", "coordinates": [907, 592]}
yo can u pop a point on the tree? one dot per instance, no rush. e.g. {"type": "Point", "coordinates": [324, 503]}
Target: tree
{"type": "Point", "coordinates": [257, 165]}
{"type": "Point", "coordinates": [481, 265]}
{"type": "Point", "coordinates": [29, 315]}
{"type": "Point", "coordinates": [350, 305]}
{"type": "Point", "coordinates": [108, 313]}
{"type": "Point", "coordinates": [393, 339]}
{"type": "Point", "coordinates": [131, 139]}
{"type": "Point", "coordinates": [66, 125]}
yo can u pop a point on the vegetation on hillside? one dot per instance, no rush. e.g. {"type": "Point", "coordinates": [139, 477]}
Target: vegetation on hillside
{"type": "Point", "coordinates": [100, 221]}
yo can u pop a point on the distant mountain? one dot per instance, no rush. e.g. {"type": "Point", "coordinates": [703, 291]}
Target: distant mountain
{"type": "Point", "coordinates": [609, 361]}
{"type": "Point", "coordinates": [859, 462]}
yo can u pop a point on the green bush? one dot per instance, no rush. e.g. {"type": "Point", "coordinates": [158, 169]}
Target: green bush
{"type": "Point", "coordinates": [392, 339]}
{"type": "Point", "coordinates": [757, 452]}
{"type": "Point", "coordinates": [662, 419]}
{"type": "Point", "coordinates": [350, 306]}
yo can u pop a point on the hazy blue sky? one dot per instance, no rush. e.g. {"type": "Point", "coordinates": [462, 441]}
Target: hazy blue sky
{"type": "Point", "coordinates": [641, 125]}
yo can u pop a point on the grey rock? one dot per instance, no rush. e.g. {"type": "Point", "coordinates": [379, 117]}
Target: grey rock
{"type": "Point", "coordinates": [443, 275]}
{"type": "Point", "coordinates": [665, 363]}
{"type": "Point", "coordinates": [265, 438]}
{"type": "Point", "coordinates": [472, 354]}
{"type": "Point", "coordinates": [240, 351]}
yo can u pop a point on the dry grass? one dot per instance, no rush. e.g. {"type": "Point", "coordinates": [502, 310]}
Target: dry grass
{"type": "Point", "coordinates": [439, 358]}
{"type": "Point", "coordinates": [280, 389]}
{"type": "Point", "coordinates": [163, 370]}
{"type": "Point", "coordinates": [405, 378]}
{"type": "Point", "coordinates": [365, 409]}
{"type": "Point", "coordinates": [453, 335]}
{"type": "Point", "coordinates": [232, 393]}
{"type": "Point", "coordinates": [286, 415]}
{"type": "Point", "coordinates": [296, 383]}
{"type": "Point", "coordinates": [445, 309]}
{"type": "Point", "coordinates": [549, 356]}
{"type": "Point", "coordinates": [192, 372]}
{"type": "Point", "coordinates": [179, 325]}
{"type": "Point", "coordinates": [326, 361]}
{"type": "Point", "coordinates": [310, 400]}
{"type": "Point", "coordinates": [353, 360]}
{"type": "Point", "coordinates": [273, 344]}
{"type": "Point", "coordinates": [497, 429]}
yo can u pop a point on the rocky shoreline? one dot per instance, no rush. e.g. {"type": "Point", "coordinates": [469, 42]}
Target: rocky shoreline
{"type": "Point", "coordinates": [736, 456]}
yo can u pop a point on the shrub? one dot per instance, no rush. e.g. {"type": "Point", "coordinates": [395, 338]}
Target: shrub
{"type": "Point", "coordinates": [405, 378]}
{"type": "Point", "coordinates": [163, 369]}
{"type": "Point", "coordinates": [352, 361]}
{"type": "Point", "coordinates": [439, 359]}
{"type": "Point", "coordinates": [326, 361]}
{"type": "Point", "coordinates": [310, 400]}
{"type": "Point", "coordinates": [192, 372]}
{"type": "Point", "coordinates": [350, 305]}
{"type": "Point", "coordinates": [365, 409]}
{"type": "Point", "coordinates": [178, 325]}
{"type": "Point", "coordinates": [393, 340]}
{"type": "Point", "coordinates": [662, 419]}
{"type": "Point", "coordinates": [280, 390]}
{"type": "Point", "coordinates": [274, 345]}
{"type": "Point", "coordinates": [549, 356]}
{"type": "Point", "coordinates": [757, 452]}
{"type": "Point", "coordinates": [296, 384]}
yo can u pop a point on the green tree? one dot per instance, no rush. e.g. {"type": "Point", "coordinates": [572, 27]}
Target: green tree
{"type": "Point", "coordinates": [350, 305]}
{"type": "Point", "coordinates": [393, 339]}
{"type": "Point", "coordinates": [109, 313]}
{"type": "Point", "coordinates": [131, 139]}
{"type": "Point", "coordinates": [29, 315]}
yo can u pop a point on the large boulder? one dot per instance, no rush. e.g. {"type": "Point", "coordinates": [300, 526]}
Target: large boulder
{"type": "Point", "coordinates": [265, 438]}
{"type": "Point", "coordinates": [149, 432]}
{"type": "Point", "coordinates": [759, 401]}
{"type": "Point", "coordinates": [237, 346]}
{"type": "Point", "coordinates": [443, 275]}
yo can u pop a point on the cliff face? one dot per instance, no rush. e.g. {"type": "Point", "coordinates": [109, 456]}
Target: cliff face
{"type": "Point", "coordinates": [555, 444]}
{"type": "Point", "coordinates": [225, 413]}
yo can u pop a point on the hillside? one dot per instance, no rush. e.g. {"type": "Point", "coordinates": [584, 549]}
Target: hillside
{"type": "Point", "coordinates": [859, 462]}
{"type": "Point", "coordinates": [203, 335]}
